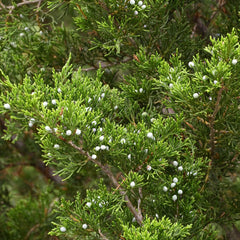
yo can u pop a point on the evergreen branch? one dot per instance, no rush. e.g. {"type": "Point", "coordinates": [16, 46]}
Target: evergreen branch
{"type": "Point", "coordinates": [107, 64]}
{"type": "Point", "coordinates": [106, 169]}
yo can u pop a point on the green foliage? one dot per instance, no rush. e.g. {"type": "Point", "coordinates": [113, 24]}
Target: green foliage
{"type": "Point", "coordinates": [156, 229]}
{"type": "Point", "coordinates": [124, 106]}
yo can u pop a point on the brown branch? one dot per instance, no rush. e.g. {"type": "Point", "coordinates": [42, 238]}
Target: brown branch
{"type": "Point", "coordinates": [81, 11]}
{"type": "Point", "coordinates": [36, 162]}
{"type": "Point", "coordinates": [106, 169]}
{"type": "Point", "coordinates": [11, 8]}
{"type": "Point", "coordinates": [139, 200]}
{"type": "Point", "coordinates": [235, 156]}
{"type": "Point", "coordinates": [212, 120]}
{"type": "Point", "coordinates": [102, 236]}
{"type": "Point", "coordinates": [31, 231]}
{"type": "Point", "coordinates": [212, 134]}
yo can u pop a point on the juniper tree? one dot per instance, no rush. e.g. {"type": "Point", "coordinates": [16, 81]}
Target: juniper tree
{"type": "Point", "coordinates": [142, 133]}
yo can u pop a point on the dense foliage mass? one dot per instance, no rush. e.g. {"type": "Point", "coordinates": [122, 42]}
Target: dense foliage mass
{"type": "Point", "coordinates": [119, 120]}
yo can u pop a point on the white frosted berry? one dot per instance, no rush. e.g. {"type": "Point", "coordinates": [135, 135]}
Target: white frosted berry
{"type": "Point", "coordinates": [175, 163]}
{"type": "Point", "coordinates": [103, 147]}
{"type": "Point", "coordinates": [84, 226]}
{"type": "Point", "coordinates": [102, 95]}
{"type": "Point", "coordinates": [173, 185]}
{"type": "Point", "coordinates": [94, 156]}
{"type": "Point", "coordinates": [152, 119]}
{"type": "Point", "coordinates": [59, 90]}
{"type": "Point", "coordinates": [89, 204]}
{"type": "Point", "coordinates": [129, 156]}
{"type": "Point", "coordinates": [132, 184]}
{"type": "Point", "coordinates": [94, 123]}
{"type": "Point", "coordinates": [144, 114]}
{"type": "Point", "coordinates": [7, 106]}
{"type": "Point", "coordinates": [115, 107]}
{"type": "Point", "coordinates": [180, 168]}
{"type": "Point", "coordinates": [54, 101]}
{"type": "Point", "coordinates": [63, 229]}
{"type": "Point", "coordinates": [180, 192]}
{"type": "Point", "coordinates": [21, 34]}
{"type": "Point", "coordinates": [165, 189]}
{"type": "Point", "coordinates": [45, 104]}
{"type": "Point", "coordinates": [174, 198]}
{"type": "Point", "coordinates": [123, 140]}
{"type": "Point", "coordinates": [78, 131]}
{"type": "Point", "coordinates": [97, 148]}
{"type": "Point", "coordinates": [210, 98]}
{"type": "Point", "coordinates": [234, 61]}
{"type": "Point", "coordinates": [48, 129]}
{"type": "Point", "coordinates": [170, 85]}
{"type": "Point", "coordinates": [135, 12]}
{"type": "Point", "coordinates": [101, 138]}
{"type": "Point", "coordinates": [140, 3]}
{"type": "Point", "coordinates": [56, 146]}
{"type": "Point", "coordinates": [195, 95]}
{"type": "Point", "coordinates": [175, 180]}
{"type": "Point", "coordinates": [30, 124]}
{"type": "Point", "coordinates": [140, 90]}
{"type": "Point", "coordinates": [157, 216]}
{"type": "Point", "coordinates": [191, 64]}
{"type": "Point", "coordinates": [150, 135]}
{"type": "Point", "coordinates": [143, 6]}
{"type": "Point", "coordinates": [132, 2]}
{"type": "Point", "coordinates": [68, 132]}
{"type": "Point", "coordinates": [204, 77]}
{"type": "Point", "coordinates": [94, 130]}
{"type": "Point", "coordinates": [149, 168]}
{"type": "Point", "coordinates": [215, 81]}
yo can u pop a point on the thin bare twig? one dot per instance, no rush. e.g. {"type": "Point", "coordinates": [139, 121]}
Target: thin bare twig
{"type": "Point", "coordinates": [212, 120]}
{"type": "Point", "coordinates": [212, 133]}
{"type": "Point", "coordinates": [139, 200]}
{"type": "Point", "coordinates": [102, 236]}
{"type": "Point", "coordinates": [11, 8]}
